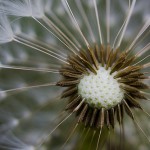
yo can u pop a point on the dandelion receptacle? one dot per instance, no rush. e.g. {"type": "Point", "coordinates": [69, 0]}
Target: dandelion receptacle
{"type": "Point", "coordinates": [74, 74]}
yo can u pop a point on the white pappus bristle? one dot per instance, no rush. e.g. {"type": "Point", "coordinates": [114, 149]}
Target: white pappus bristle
{"type": "Point", "coordinates": [22, 8]}
{"type": "Point", "coordinates": [6, 33]}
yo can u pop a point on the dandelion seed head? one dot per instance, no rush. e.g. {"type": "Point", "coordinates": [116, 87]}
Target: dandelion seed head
{"type": "Point", "coordinates": [101, 88]}
{"type": "Point", "coordinates": [95, 53]}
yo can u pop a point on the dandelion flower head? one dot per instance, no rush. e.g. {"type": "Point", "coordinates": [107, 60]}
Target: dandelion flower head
{"type": "Point", "coordinates": [74, 74]}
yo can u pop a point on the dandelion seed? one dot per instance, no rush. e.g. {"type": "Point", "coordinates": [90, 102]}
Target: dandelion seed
{"type": "Point", "coordinates": [102, 78]}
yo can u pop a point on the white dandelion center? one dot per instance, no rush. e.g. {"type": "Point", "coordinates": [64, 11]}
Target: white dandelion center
{"type": "Point", "coordinates": [100, 90]}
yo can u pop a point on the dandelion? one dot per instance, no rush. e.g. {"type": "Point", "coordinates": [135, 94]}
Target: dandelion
{"type": "Point", "coordinates": [74, 74]}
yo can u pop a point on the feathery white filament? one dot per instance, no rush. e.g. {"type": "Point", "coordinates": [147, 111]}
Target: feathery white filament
{"type": "Point", "coordinates": [59, 32]}
{"type": "Point", "coordinates": [21, 8]}
{"type": "Point", "coordinates": [68, 9]}
{"type": "Point", "coordinates": [126, 24]}
{"type": "Point", "coordinates": [85, 18]}
{"type": "Point", "coordinates": [98, 21]}
{"type": "Point", "coordinates": [28, 68]}
{"type": "Point", "coordinates": [143, 50]}
{"type": "Point", "coordinates": [142, 60]}
{"type": "Point", "coordinates": [62, 25]}
{"type": "Point", "coordinates": [108, 20]}
{"type": "Point", "coordinates": [100, 90]}
{"type": "Point", "coordinates": [143, 29]}
{"type": "Point", "coordinates": [15, 7]}
{"type": "Point", "coordinates": [37, 9]}
{"type": "Point", "coordinates": [6, 34]}
{"type": "Point", "coordinates": [14, 143]}
{"type": "Point", "coordinates": [27, 8]}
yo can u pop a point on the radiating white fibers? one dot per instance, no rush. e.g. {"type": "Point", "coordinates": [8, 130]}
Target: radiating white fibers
{"type": "Point", "coordinates": [6, 33]}
{"type": "Point", "coordinates": [13, 143]}
{"type": "Point", "coordinates": [15, 7]}
{"type": "Point", "coordinates": [22, 8]}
